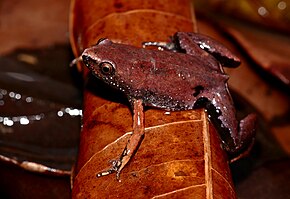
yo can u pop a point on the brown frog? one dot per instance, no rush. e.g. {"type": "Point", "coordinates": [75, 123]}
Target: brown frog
{"type": "Point", "coordinates": [186, 74]}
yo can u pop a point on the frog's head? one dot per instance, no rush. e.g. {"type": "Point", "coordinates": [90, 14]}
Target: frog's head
{"type": "Point", "coordinates": [95, 59]}
{"type": "Point", "coordinates": [110, 63]}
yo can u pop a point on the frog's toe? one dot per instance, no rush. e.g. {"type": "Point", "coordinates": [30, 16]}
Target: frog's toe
{"type": "Point", "coordinates": [116, 164]}
{"type": "Point", "coordinates": [247, 129]}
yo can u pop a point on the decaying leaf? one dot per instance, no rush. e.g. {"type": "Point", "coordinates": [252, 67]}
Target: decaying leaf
{"type": "Point", "coordinates": [268, 49]}
{"type": "Point", "coordinates": [273, 14]}
{"type": "Point", "coordinates": [180, 155]}
{"type": "Point", "coordinates": [26, 24]}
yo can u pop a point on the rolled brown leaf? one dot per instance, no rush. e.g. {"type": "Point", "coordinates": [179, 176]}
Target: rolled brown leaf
{"type": "Point", "coordinates": [180, 155]}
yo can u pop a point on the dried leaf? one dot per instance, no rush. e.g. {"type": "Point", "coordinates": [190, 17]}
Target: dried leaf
{"type": "Point", "coordinates": [273, 14]}
{"type": "Point", "coordinates": [268, 49]}
{"type": "Point", "coordinates": [180, 155]}
{"type": "Point", "coordinates": [26, 24]}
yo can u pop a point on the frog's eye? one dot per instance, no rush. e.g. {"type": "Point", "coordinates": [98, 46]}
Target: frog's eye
{"type": "Point", "coordinates": [107, 68]}
{"type": "Point", "coordinates": [100, 41]}
{"type": "Point", "coordinates": [104, 41]}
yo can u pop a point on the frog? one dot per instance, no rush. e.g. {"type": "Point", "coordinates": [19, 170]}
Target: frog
{"type": "Point", "coordinates": [185, 73]}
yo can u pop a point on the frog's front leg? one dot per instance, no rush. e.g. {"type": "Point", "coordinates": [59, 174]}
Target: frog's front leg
{"type": "Point", "coordinates": [133, 142]}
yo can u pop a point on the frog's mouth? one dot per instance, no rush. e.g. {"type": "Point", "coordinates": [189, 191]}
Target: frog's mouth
{"type": "Point", "coordinates": [90, 63]}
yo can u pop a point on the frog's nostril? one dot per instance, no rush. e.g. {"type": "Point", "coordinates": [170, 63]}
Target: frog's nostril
{"type": "Point", "coordinates": [85, 58]}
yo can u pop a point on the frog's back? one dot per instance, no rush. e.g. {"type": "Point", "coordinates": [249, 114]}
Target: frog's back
{"type": "Point", "coordinates": [172, 80]}
{"type": "Point", "coordinates": [162, 79]}
{"type": "Point", "coordinates": [172, 69]}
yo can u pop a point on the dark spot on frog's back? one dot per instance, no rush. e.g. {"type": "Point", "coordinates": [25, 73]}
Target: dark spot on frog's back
{"type": "Point", "coordinates": [197, 90]}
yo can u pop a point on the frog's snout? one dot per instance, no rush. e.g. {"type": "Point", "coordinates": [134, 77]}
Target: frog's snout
{"type": "Point", "coordinates": [85, 58]}
{"type": "Point", "coordinates": [87, 55]}
{"type": "Point", "coordinates": [88, 61]}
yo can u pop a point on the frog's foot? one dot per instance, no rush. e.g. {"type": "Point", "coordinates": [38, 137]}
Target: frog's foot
{"type": "Point", "coordinates": [115, 168]}
{"type": "Point", "coordinates": [242, 154]}
{"type": "Point", "coordinates": [133, 142]}
{"type": "Point", "coordinates": [247, 139]}
{"type": "Point", "coordinates": [247, 129]}
{"type": "Point", "coordinates": [117, 165]}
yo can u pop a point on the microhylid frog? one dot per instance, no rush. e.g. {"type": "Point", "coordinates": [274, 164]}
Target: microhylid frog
{"type": "Point", "coordinates": [186, 74]}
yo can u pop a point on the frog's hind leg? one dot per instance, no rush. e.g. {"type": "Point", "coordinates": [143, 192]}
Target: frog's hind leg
{"type": "Point", "coordinates": [235, 135]}
{"type": "Point", "coordinates": [211, 46]}
{"type": "Point", "coordinates": [133, 142]}
{"type": "Point", "coordinates": [137, 136]}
